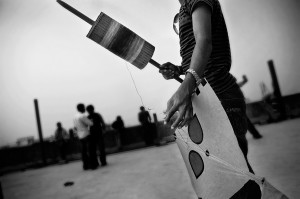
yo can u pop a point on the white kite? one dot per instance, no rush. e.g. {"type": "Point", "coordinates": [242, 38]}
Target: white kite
{"type": "Point", "coordinates": [215, 163]}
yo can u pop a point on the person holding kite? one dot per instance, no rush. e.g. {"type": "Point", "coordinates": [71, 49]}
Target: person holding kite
{"type": "Point", "coordinates": [205, 52]}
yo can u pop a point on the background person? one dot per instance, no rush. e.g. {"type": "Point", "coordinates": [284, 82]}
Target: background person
{"type": "Point", "coordinates": [118, 125]}
{"type": "Point", "coordinates": [97, 140]}
{"type": "Point", "coordinates": [145, 120]}
{"type": "Point", "coordinates": [81, 125]}
{"type": "Point", "coordinates": [61, 138]}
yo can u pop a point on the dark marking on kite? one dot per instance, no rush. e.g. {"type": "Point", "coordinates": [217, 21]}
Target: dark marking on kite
{"type": "Point", "coordinates": [69, 183]}
{"type": "Point", "coordinates": [250, 185]}
{"type": "Point", "coordinates": [195, 131]}
{"type": "Point", "coordinates": [207, 153]}
{"type": "Point", "coordinates": [196, 163]}
{"type": "Point", "coordinates": [203, 82]}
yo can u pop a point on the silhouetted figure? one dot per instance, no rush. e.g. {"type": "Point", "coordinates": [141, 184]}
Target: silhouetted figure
{"type": "Point", "coordinates": [61, 138]}
{"type": "Point", "coordinates": [118, 125]}
{"type": "Point", "coordinates": [81, 125]}
{"type": "Point", "coordinates": [73, 141]}
{"type": "Point", "coordinates": [251, 128]}
{"type": "Point", "coordinates": [71, 134]}
{"type": "Point", "coordinates": [97, 140]}
{"type": "Point", "coordinates": [145, 120]}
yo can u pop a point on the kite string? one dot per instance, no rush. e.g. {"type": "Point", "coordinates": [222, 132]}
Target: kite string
{"type": "Point", "coordinates": [137, 91]}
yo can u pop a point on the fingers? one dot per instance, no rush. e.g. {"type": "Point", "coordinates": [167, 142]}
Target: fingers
{"type": "Point", "coordinates": [174, 117]}
{"type": "Point", "coordinates": [179, 118]}
{"type": "Point", "coordinates": [187, 118]}
{"type": "Point", "coordinates": [169, 70]}
{"type": "Point", "coordinates": [180, 102]}
{"type": "Point", "coordinates": [167, 74]}
{"type": "Point", "coordinates": [171, 109]}
{"type": "Point", "coordinates": [166, 65]}
{"type": "Point", "coordinates": [178, 115]}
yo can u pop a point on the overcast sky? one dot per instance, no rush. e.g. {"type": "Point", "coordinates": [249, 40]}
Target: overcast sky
{"type": "Point", "coordinates": [45, 54]}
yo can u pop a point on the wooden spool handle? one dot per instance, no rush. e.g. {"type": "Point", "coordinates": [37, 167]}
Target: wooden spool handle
{"type": "Point", "coordinates": [76, 12]}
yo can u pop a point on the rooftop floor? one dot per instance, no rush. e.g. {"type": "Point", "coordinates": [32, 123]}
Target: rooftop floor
{"type": "Point", "coordinates": [158, 172]}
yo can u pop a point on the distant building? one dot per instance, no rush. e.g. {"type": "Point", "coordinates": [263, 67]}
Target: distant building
{"type": "Point", "coordinates": [25, 141]}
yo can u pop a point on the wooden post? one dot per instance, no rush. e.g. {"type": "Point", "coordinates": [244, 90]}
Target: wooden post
{"type": "Point", "coordinates": [277, 92]}
{"type": "Point", "coordinates": [37, 113]}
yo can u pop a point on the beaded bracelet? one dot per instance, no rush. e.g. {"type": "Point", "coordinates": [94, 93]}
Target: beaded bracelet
{"type": "Point", "coordinates": [195, 75]}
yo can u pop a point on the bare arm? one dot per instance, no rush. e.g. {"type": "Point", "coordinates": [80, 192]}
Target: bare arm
{"type": "Point", "coordinates": [202, 31]}
{"type": "Point", "coordinates": [181, 100]}
{"type": "Point", "coordinates": [86, 121]}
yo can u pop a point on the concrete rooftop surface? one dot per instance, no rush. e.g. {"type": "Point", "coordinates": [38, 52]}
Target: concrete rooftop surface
{"type": "Point", "coordinates": [158, 172]}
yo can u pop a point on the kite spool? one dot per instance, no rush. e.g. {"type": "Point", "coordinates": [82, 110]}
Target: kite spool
{"type": "Point", "coordinates": [118, 39]}
{"type": "Point", "coordinates": [121, 41]}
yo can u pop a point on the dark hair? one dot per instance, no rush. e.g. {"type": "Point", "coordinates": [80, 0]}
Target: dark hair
{"type": "Point", "coordinates": [90, 108]}
{"type": "Point", "coordinates": [142, 108]}
{"type": "Point", "coordinates": [80, 107]}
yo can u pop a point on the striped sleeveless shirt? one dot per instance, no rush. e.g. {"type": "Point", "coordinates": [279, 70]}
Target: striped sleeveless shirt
{"type": "Point", "coordinates": [219, 62]}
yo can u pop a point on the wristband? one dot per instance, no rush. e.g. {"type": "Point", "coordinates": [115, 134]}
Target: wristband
{"type": "Point", "coordinates": [195, 75]}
